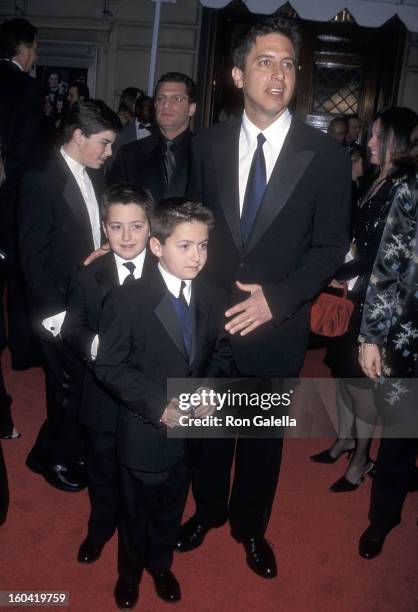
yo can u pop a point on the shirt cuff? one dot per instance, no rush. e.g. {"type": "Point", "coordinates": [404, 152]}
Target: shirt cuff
{"type": "Point", "coordinates": [94, 347]}
{"type": "Point", "coordinates": [53, 324]}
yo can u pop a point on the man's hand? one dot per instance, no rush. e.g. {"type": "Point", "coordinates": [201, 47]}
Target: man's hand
{"type": "Point", "coordinates": [208, 405]}
{"type": "Point", "coordinates": [249, 314]}
{"type": "Point", "coordinates": [370, 360]}
{"type": "Point", "coordinates": [337, 284]}
{"type": "Point", "coordinates": [97, 253]}
{"type": "Point", "coordinates": [172, 414]}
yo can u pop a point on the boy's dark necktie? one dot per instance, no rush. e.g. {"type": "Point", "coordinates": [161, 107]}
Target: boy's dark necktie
{"type": "Point", "coordinates": [184, 313]}
{"type": "Point", "coordinates": [131, 267]}
{"type": "Point", "coordinates": [169, 161]}
{"type": "Point", "coordinates": [256, 185]}
{"type": "Point", "coordinates": [181, 297]}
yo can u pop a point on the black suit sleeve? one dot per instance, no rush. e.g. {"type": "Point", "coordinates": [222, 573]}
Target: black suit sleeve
{"type": "Point", "coordinates": [36, 225]}
{"type": "Point", "coordinates": [76, 330]}
{"type": "Point", "coordinates": [329, 243]}
{"type": "Point", "coordinates": [118, 362]}
{"type": "Point", "coordinates": [194, 188]}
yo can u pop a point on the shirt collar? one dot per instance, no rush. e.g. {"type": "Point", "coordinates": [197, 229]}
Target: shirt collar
{"type": "Point", "coordinates": [75, 167]}
{"type": "Point", "coordinates": [173, 284]}
{"type": "Point", "coordinates": [273, 134]}
{"type": "Point", "coordinates": [138, 261]}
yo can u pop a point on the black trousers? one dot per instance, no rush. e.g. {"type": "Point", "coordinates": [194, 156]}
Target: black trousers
{"type": "Point", "coordinates": [151, 508]}
{"type": "Point", "coordinates": [6, 421]}
{"type": "Point", "coordinates": [60, 437]}
{"type": "Point", "coordinates": [257, 467]}
{"type": "Point", "coordinates": [103, 483]}
{"type": "Point", "coordinates": [394, 472]}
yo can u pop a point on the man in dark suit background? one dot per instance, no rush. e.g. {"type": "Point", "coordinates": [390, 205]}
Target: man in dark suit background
{"type": "Point", "coordinates": [59, 226]}
{"type": "Point", "coordinates": [125, 213]}
{"type": "Point", "coordinates": [21, 129]}
{"type": "Point", "coordinates": [280, 193]}
{"type": "Point", "coordinates": [160, 162]}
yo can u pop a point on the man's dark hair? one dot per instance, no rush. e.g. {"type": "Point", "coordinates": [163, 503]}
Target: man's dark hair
{"type": "Point", "coordinates": [13, 33]}
{"type": "Point", "coordinates": [82, 89]}
{"type": "Point", "coordinates": [171, 212]}
{"type": "Point", "coordinates": [280, 25]}
{"type": "Point", "coordinates": [399, 122]}
{"type": "Point", "coordinates": [128, 98]}
{"type": "Point", "coordinates": [91, 117]}
{"type": "Point", "coordinates": [142, 99]}
{"type": "Point", "coordinates": [126, 193]}
{"type": "Point", "coordinates": [179, 77]}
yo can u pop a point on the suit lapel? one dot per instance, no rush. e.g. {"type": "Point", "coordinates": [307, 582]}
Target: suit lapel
{"type": "Point", "coordinates": [225, 155]}
{"type": "Point", "coordinates": [165, 311]}
{"type": "Point", "coordinates": [287, 173]}
{"type": "Point", "coordinates": [200, 315]}
{"type": "Point", "coordinates": [107, 277]}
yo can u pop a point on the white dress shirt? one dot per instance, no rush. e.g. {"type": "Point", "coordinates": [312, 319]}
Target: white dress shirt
{"type": "Point", "coordinates": [275, 135]}
{"type": "Point", "coordinates": [86, 188]}
{"type": "Point", "coordinates": [173, 284]}
{"type": "Point", "coordinates": [142, 132]}
{"type": "Point", "coordinates": [123, 272]}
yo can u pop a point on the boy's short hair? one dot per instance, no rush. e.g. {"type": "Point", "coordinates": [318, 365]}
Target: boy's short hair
{"type": "Point", "coordinates": [171, 212]}
{"type": "Point", "coordinates": [126, 193]}
{"type": "Point", "coordinates": [279, 25]}
{"type": "Point", "coordinates": [91, 117]}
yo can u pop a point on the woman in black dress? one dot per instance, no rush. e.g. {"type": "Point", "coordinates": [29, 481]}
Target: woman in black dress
{"type": "Point", "coordinates": [356, 407]}
{"type": "Point", "coordinates": [389, 347]}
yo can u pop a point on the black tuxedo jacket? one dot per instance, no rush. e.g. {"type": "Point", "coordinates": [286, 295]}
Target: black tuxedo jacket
{"type": "Point", "coordinates": [141, 346]}
{"type": "Point", "coordinates": [89, 287]}
{"type": "Point", "coordinates": [298, 241]}
{"type": "Point", "coordinates": [141, 163]}
{"type": "Point", "coordinates": [22, 126]}
{"type": "Point", "coordinates": [54, 232]}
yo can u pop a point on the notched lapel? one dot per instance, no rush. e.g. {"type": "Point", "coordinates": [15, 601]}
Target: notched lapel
{"type": "Point", "coordinates": [225, 155]}
{"type": "Point", "coordinates": [287, 173]}
{"type": "Point", "coordinates": [166, 313]}
{"type": "Point", "coordinates": [107, 277]}
{"type": "Point", "coordinates": [75, 201]}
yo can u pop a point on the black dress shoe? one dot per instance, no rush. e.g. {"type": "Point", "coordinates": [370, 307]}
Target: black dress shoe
{"type": "Point", "coordinates": [58, 475]}
{"type": "Point", "coordinates": [342, 485]}
{"type": "Point", "coordinates": [167, 586]}
{"type": "Point", "coordinates": [371, 543]}
{"type": "Point", "coordinates": [191, 535]}
{"type": "Point", "coordinates": [260, 557]}
{"type": "Point", "coordinates": [126, 595]}
{"type": "Point", "coordinates": [89, 552]}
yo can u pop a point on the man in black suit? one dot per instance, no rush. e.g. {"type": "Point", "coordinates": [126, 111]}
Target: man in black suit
{"type": "Point", "coordinates": [280, 193]}
{"type": "Point", "coordinates": [21, 129]}
{"type": "Point", "coordinates": [59, 226]}
{"type": "Point", "coordinates": [168, 325]}
{"type": "Point", "coordinates": [125, 212]}
{"type": "Point", "coordinates": [160, 162]}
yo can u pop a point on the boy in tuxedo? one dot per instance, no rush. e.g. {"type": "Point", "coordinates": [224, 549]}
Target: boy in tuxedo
{"type": "Point", "coordinates": [125, 214]}
{"type": "Point", "coordinates": [169, 325]}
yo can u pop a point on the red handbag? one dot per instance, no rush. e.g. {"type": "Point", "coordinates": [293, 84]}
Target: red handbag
{"type": "Point", "coordinates": [330, 314]}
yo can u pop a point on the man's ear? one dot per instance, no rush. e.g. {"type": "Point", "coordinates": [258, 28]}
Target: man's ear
{"type": "Point", "coordinates": [192, 109]}
{"type": "Point", "coordinates": [238, 77]}
{"type": "Point", "coordinates": [155, 246]}
{"type": "Point", "coordinates": [78, 136]}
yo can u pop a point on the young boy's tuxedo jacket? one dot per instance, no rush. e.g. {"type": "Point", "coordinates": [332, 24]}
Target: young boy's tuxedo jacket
{"type": "Point", "coordinates": [141, 346]}
{"type": "Point", "coordinates": [89, 287]}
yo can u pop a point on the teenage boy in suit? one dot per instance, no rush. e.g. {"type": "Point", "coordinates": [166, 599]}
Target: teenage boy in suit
{"type": "Point", "coordinates": [59, 226]}
{"type": "Point", "coordinates": [169, 325]}
{"type": "Point", "coordinates": [125, 214]}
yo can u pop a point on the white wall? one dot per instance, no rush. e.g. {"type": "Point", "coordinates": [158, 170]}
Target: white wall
{"type": "Point", "coordinates": [122, 40]}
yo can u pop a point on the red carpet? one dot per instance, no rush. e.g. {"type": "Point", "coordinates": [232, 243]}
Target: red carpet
{"type": "Point", "coordinates": [314, 534]}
